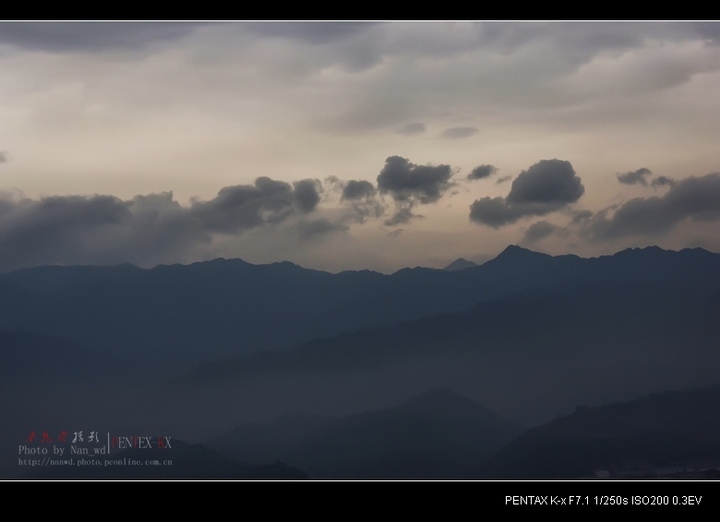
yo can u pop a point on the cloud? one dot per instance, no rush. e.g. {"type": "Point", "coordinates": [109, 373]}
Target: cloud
{"type": "Point", "coordinates": [309, 32]}
{"type": "Point", "coordinates": [411, 185]}
{"type": "Point", "coordinates": [503, 179]}
{"type": "Point", "coordinates": [411, 129]}
{"type": "Point", "coordinates": [334, 183]}
{"type": "Point", "coordinates": [36, 232]}
{"type": "Point", "coordinates": [246, 206]}
{"type": "Point", "coordinates": [482, 171]}
{"type": "Point", "coordinates": [547, 182]}
{"type": "Point", "coordinates": [493, 212]}
{"type": "Point", "coordinates": [580, 40]}
{"type": "Point", "coordinates": [546, 186]}
{"type": "Point", "coordinates": [365, 208]}
{"type": "Point", "coordinates": [635, 177]}
{"type": "Point", "coordinates": [147, 229]}
{"type": "Point", "coordinates": [318, 227]}
{"type": "Point", "coordinates": [581, 216]}
{"type": "Point", "coordinates": [709, 31]}
{"type": "Point", "coordinates": [405, 181]}
{"type": "Point", "coordinates": [359, 197]}
{"type": "Point", "coordinates": [691, 198]}
{"type": "Point", "coordinates": [91, 37]}
{"type": "Point", "coordinates": [359, 189]}
{"type": "Point", "coordinates": [456, 133]}
{"type": "Point", "coordinates": [3, 157]}
{"type": "Point", "coordinates": [307, 194]}
{"type": "Point", "coordinates": [403, 215]}
{"type": "Point", "coordinates": [662, 181]}
{"type": "Point", "coordinates": [538, 231]}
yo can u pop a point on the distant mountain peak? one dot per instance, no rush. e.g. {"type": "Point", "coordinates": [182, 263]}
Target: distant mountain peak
{"type": "Point", "coordinates": [648, 249]}
{"type": "Point", "coordinates": [515, 249]}
{"type": "Point", "coordinates": [460, 264]}
{"type": "Point", "coordinates": [514, 252]}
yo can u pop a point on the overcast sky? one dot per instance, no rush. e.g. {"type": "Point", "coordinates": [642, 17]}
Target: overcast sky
{"type": "Point", "coordinates": [345, 146]}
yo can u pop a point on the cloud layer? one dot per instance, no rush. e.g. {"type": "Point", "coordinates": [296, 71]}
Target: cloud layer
{"type": "Point", "coordinates": [155, 228]}
{"type": "Point", "coordinates": [457, 133]}
{"type": "Point", "coordinates": [145, 229]}
{"type": "Point", "coordinates": [695, 198]}
{"type": "Point", "coordinates": [91, 37]}
{"type": "Point", "coordinates": [121, 109]}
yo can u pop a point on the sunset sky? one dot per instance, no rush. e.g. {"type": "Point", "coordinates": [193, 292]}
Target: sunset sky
{"type": "Point", "coordinates": [347, 146]}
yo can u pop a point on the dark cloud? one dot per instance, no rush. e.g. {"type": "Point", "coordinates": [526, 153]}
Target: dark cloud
{"type": "Point", "coordinates": [357, 189]}
{"type": "Point", "coordinates": [710, 31]}
{"type": "Point", "coordinates": [494, 212]}
{"type": "Point", "coordinates": [37, 232]}
{"type": "Point", "coordinates": [410, 185]}
{"type": "Point", "coordinates": [403, 215]}
{"type": "Point", "coordinates": [365, 208]}
{"type": "Point", "coordinates": [91, 36]}
{"type": "Point", "coordinates": [307, 194]}
{"type": "Point", "coordinates": [572, 42]}
{"type": "Point", "coordinates": [538, 231]}
{"type": "Point", "coordinates": [245, 206]}
{"type": "Point", "coordinates": [456, 133]}
{"type": "Point", "coordinates": [691, 198]}
{"type": "Point", "coordinates": [503, 179]}
{"type": "Point", "coordinates": [635, 177]}
{"type": "Point", "coordinates": [146, 229]}
{"type": "Point", "coordinates": [551, 182]}
{"type": "Point", "coordinates": [359, 197]}
{"type": "Point", "coordinates": [406, 181]}
{"type": "Point", "coordinates": [309, 32]}
{"type": "Point", "coordinates": [411, 129]}
{"type": "Point", "coordinates": [546, 186]}
{"type": "Point", "coordinates": [662, 181]}
{"type": "Point", "coordinates": [482, 171]}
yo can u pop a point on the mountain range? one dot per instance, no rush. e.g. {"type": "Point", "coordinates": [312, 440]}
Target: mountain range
{"type": "Point", "coordinates": [200, 350]}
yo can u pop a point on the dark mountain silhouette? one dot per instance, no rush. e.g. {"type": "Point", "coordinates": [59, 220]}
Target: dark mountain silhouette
{"type": "Point", "coordinates": [666, 434]}
{"type": "Point", "coordinates": [263, 442]}
{"type": "Point", "coordinates": [438, 434]}
{"type": "Point", "coordinates": [459, 264]}
{"type": "Point", "coordinates": [24, 355]}
{"type": "Point", "coordinates": [197, 350]}
{"type": "Point", "coordinates": [529, 357]}
{"type": "Point", "coordinates": [188, 314]}
{"type": "Point", "coordinates": [50, 383]}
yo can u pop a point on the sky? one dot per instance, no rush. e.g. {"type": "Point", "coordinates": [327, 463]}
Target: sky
{"type": "Point", "coordinates": [355, 145]}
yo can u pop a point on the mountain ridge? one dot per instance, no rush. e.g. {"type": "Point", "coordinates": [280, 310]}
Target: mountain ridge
{"type": "Point", "coordinates": [232, 307]}
{"type": "Point", "coordinates": [511, 250]}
